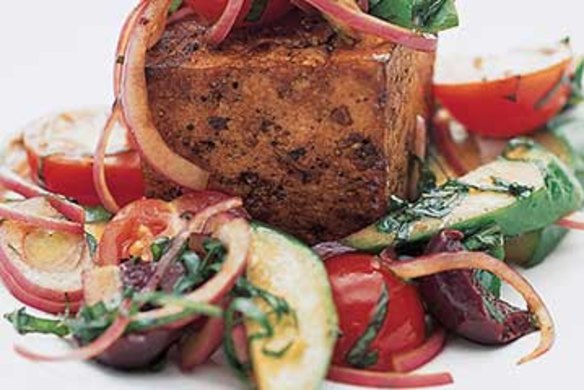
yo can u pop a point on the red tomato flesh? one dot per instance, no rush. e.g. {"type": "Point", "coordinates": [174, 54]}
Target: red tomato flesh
{"type": "Point", "coordinates": [508, 96]}
{"type": "Point", "coordinates": [357, 282]}
{"type": "Point", "coordinates": [60, 148]}
{"type": "Point", "coordinates": [211, 10]}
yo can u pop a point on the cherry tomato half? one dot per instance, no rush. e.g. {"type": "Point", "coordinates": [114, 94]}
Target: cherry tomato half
{"type": "Point", "coordinates": [507, 96]}
{"type": "Point", "coordinates": [252, 13]}
{"type": "Point", "coordinates": [60, 154]}
{"type": "Point", "coordinates": [358, 281]}
{"type": "Point", "coordinates": [132, 231]}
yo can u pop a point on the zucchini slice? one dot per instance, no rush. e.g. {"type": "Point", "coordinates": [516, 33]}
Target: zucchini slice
{"type": "Point", "coordinates": [554, 191]}
{"type": "Point", "coordinates": [287, 268]}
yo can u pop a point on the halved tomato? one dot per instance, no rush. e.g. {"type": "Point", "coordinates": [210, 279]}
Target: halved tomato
{"type": "Point", "coordinates": [60, 154]}
{"type": "Point", "coordinates": [379, 314]}
{"type": "Point", "coordinates": [505, 96]}
{"type": "Point", "coordinates": [138, 225]}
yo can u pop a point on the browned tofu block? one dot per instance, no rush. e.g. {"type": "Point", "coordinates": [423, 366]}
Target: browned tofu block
{"type": "Point", "coordinates": [313, 132]}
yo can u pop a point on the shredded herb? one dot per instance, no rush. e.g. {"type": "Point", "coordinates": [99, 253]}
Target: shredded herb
{"type": "Point", "coordinates": [174, 6]}
{"type": "Point", "coordinates": [91, 244]}
{"type": "Point", "coordinates": [360, 355]}
{"type": "Point", "coordinates": [434, 203]}
{"type": "Point", "coordinates": [576, 84]}
{"type": "Point", "coordinates": [489, 240]}
{"type": "Point", "coordinates": [97, 214]}
{"type": "Point", "coordinates": [429, 16]}
{"type": "Point", "coordinates": [505, 187]}
{"type": "Point", "coordinates": [258, 7]}
{"type": "Point", "coordinates": [197, 270]}
{"type": "Point", "coordinates": [245, 307]}
{"type": "Point", "coordinates": [25, 324]}
{"type": "Point", "coordinates": [159, 248]}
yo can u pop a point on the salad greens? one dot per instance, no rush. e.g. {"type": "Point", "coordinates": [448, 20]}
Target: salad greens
{"type": "Point", "coordinates": [429, 16]}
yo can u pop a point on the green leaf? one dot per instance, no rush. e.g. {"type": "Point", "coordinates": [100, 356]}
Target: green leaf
{"type": "Point", "coordinates": [97, 214]}
{"type": "Point", "coordinates": [360, 355]}
{"type": "Point", "coordinates": [429, 16]}
{"type": "Point", "coordinates": [25, 324]}
{"type": "Point", "coordinates": [91, 244]}
{"type": "Point", "coordinates": [258, 7]}
{"type": "Point", "coordinates": [174, 6]}
{"type": "Point", "coordinates": [489, 240]}
{"type": "Point", "coordinates": [159, 248]}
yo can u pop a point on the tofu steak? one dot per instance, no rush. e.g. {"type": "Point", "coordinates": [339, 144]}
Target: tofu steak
{"type": "Point", "coordinates": [313, 131]}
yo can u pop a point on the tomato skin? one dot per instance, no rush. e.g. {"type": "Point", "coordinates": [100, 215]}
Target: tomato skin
{"type": "Point", "coordinates": [211, 10]}
{"type": "Point", "coordinates": [137, 225]}
{"type": "Point", "coordinates": [143, 220]}
{"type": "Point", "coordinates": [507, 107]}
{"type": "Point", "coordinates": [72, 176]}
{"type": "Point", "coordinates": [357, 281]}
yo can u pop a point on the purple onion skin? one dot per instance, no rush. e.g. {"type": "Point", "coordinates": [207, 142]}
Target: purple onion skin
{"type": "Point", "coordinates": [461, 304]}
{"type": "Point", "coordinates": [138, 351]}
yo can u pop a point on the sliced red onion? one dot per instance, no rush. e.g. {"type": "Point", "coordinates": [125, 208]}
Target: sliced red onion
{"type": "Point", "coordinates": [99, 179]}
{"type": "Point", "coordinates": [180, 14]}
{"type": "Point", "coordinates": [574, 221]}
{"type": "Point", "coordinates": [446, 144]}
{"type": "Point", "coordinates": [441, 262]}
{"type": "Point", "coordinates": [146, 30]}
{"type": "Point", "coordinates": [301, 4]}
{"type": "Point", "coordinates": [240, 343]}
{"type": "Point", "coordinates": [219, 31]}
{"type": "Point", "coordinates": [367, 24]}
{"type": "Point", "coordinates": [125, 35]}
{"type": "Point", "coordinates": [13, 182]}
{"type": "Point", "coordinates": [366, 378]}
{"type": "Point", "coordinates": [36, 301]}
{"type": "Point", "coordinates": [235, 233]}
{"type": "Point", "coordinates": [199, 347]}
{"type": "Point", "coordinates": [61, 225]}
{"type": "Point", "coordinates": [413, 359]}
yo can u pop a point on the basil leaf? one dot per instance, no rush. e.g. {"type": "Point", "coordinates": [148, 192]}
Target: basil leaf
{"type": "Point", "coordinates": [91, 244]}
{"type": "Point", "coordinates": [359, 356]}
{"type": "Point", "coordinates": [258, 7]}
{"type": "Point", "coordinates": [489, 240]}
{"type": "Point", "coordinates": [174, 6]}
{"type": "Point", "coordinates": [159, 248]}
{"type": "Point", "coordinates": [429, 16]}
{"type": "Point", "coordinates": [25, 323]}
{"type": "Point", "coordinates": [97, 214]}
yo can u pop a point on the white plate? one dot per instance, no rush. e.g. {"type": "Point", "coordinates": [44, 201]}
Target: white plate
{"type": "Point", "coordinates": [58, 54]}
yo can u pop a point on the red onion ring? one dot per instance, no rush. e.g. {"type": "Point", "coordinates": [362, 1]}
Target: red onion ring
{"type": "Point", "coordinates": [367, 24]}
{"type": "Point", "coordinates": [90, 351]}
{"type": "Point", "coordinates": [180, 14]}
{"type": "Point", "coordinates": [235, 233]}
{"type": "Point", "coordinates": [445, 143]}
{"type": "Point", "coordinates": [99, 179]}
{"type": "Point", "coordinates": [240, 343]}
{"type": "Point", "coordinates": [135, 104]}
{"type": "Point", "coordinates": [301, 4]}
{"type": "Point", "coordinates": [33, 300]}
{"type": "Point", "coordinates": [433, 264]}
{"type": "Point", "coordinates": [413, 359]}
{"type": "Point", "coordinates": [366, 378]}
{"type": "Point", "coordinates": [48, 223]}
{"type": "Point", "coordinates": [219, 31]}
{"type": "Point", "coordinates": [574, 221]}
{"type": "Point", "coordinates": [125, 35]}
{"type": "Point", "coordinates": [13, 182]}
{"type": "Point", "coordinates": [199, 347]}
